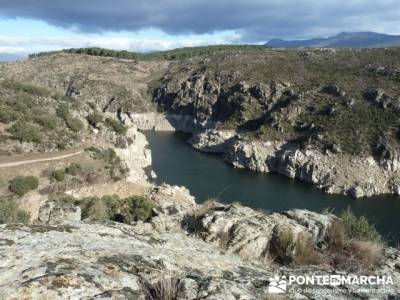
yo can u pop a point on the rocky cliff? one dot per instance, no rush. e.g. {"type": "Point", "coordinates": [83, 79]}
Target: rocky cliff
{"type": "Point", "coordinates": [332, 172]}
{"type": "Point", "coordinates": [323, 133]}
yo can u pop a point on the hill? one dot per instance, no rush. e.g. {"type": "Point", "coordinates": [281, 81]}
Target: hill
{"type": "Point", "coordinates": [342, 40]}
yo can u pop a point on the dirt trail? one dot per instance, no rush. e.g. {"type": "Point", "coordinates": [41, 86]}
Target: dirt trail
{"type": "Point", "coordinates": [39, 157]}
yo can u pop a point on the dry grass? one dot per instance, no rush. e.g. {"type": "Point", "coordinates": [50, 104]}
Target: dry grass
{"type": "Point", "coordinates": [305, 253]}
{"type": "Point", "coordinates": [165, 286]}
{"type": "Point", "coordinates": [205, 207]}
{"type": "Point", "coordinates": [352, 254]}
{"type": "Point", "coordinates": [296, 249]}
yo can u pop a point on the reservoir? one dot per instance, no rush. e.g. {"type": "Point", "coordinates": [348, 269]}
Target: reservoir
{"type": "Point", "coordinates": [208, 176]}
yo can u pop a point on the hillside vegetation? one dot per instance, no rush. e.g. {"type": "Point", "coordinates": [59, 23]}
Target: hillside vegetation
{"type": "Point", "coordinates": [346, 100]}
{"type": "Point", "coordinates": [175, 54]}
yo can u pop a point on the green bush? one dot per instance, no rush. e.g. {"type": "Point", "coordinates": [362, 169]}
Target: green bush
{"type": "Point", "coordinates": [359, 228]}
{"type": "Point", "coordinates": [95, 118]}
{"type": "Point", "coordinates": [73, 169]}
{"type": "Point", "coordinates": [117, 126]}
{"type": "Point", "coordinates": [170, 54]}
{"type": "Point", "coordinates": [48, 122]}
{"type": "Point", "coordinates": [74, 124]}
{"type": "Point", "coordinates": [10, 212]}
{"type": "Point", "coordinates": [26, 88]}
{"type": "Point", "coordinates": [7, 114]}
{"type": "Point", "coordinates": [21, 185]}
{"type": "Point", "coordinates": [62, 111]}
{"type": "Point", "coordinates": [22, 103]}
{"type": "Point", "coordinates": [25, 132]}
{"type": "Point", "coordinates": [128, 210]}
{"type": "Point", "coordinates": [58, 175]}
{"type": "Point", "coordinates": [108, 155]}
{"type": "Point", "coordinates": [136, 208]}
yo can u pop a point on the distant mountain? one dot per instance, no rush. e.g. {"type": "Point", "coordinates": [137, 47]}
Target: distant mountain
{"type": "Point", "coordinates": [4, 57]}
{"type": "Point", "coordinates": [342, 40]}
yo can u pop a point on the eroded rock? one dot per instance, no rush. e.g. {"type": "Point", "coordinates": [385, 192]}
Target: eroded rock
{"type": "Point", "coordinates": [54, 213]}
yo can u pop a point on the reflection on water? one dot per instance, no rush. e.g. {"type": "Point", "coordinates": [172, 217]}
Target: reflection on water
{"type": "Point", "coordinates": [175, 162]}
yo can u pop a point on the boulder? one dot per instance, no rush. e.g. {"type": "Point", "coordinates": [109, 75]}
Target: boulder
{"type": "Point", "coordinates": [212, 141]}
{"type": "Point", "coordinates": [377, 97]}
{"type": "Point", "coordinates": [333, 90]}
{"type": "Point", "coordinates": [55, 213]}
{"type": "Point", "coordinates": [255, 235]}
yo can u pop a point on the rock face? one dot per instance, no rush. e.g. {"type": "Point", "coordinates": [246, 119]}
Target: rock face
{"type": "Point", "coordinates": [55, 213]}
{"type": "Point", "coordinates": [212, 141]}
{"type": "Point", "coordinates": [331, 172]}
{"type": "Point", "coordinates": [278, 116]}
{"type": "Point", "coordinates": [77, 260]}
{"type": "Point", "coordinates": [109, 262]}
{"type": "Point", "coordinates": [137, 156]}
{"type": "Point", "coordinates": [251, 155]}
{"type": "Point", "coordinates": [199, 102]}
{"type": "Point", "coordinates": [150, 121]}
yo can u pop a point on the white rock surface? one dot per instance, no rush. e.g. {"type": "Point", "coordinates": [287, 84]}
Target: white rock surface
{"type": "Point", "coordinates": [137, 156]}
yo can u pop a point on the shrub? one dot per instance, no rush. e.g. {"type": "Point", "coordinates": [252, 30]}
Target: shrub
{"type": "Point", "coordinates": [10, 212]}
{"type": "Point", "coordinates": [135, 208]}
{"type": "Point", "coordinates": [7, 114]}
{"type": "Point", "coordinates": [97, 210]}
{"type": "Point", "coordinates": [58, 175]}
{"type": "Point", "coordinates": [21, 104]}
{"type": "Point", "coordinates": [347, 251]}
{"type": "Point", "coordinates": [94, 119]}
{"type": "Point", "coordinates": [118, 172]}
{"type": "Point", "coordinates": [74, 124]}
{"type": "Point", "coordinates": [25, 132]}
{"type": "Point", "coordinates": [21, 185]}
{"type": "Point", "coordinates": [46, 121]}
{"type": "Point", "coordinates": [73, 169]}
{"type": "Point", "coordinates": [117, 169]}
{"type": "Point", "coordinates": [26, 88]}
{"type": "Point", "coordinates": [62, 111]}
{"type": "Point", "coordinates": [127, 210]}
{"type": "Point", "coordinates": [117, 126]}
{"type": "Point", "coordinates": [359, 227]}
{"type": "Point", "coordinates": [366, 255]}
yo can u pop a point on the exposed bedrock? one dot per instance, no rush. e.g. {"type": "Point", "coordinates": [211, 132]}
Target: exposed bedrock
{"type": "Point", "coordinates": [214, 251]}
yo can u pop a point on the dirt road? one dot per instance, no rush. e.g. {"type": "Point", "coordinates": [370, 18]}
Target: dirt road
{"type": "Point", "coordinates": [39, 157]}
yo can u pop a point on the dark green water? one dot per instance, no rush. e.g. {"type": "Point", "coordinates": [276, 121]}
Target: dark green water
{"type": "Point", "coordinates": [175, 162]}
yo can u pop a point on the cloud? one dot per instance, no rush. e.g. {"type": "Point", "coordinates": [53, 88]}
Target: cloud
{"type": "Point", "coordinates": [9, 49]}
{"type": "Point", "coordinates": [26, 45]}
{"type": "Point", "coordinates": [255, 20]}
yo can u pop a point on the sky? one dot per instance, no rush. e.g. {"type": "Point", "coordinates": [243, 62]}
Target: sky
{"type": "Point", "coordinates": [28, 26]}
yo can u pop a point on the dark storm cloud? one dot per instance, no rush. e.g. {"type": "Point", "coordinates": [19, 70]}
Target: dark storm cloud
{"type": "Point", "coordinates": [255, 19]}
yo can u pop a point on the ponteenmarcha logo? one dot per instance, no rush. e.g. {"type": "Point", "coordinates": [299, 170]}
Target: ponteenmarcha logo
{"type": "Point", "coordinates": [280, 284]}
{"type": "Point", "coordinates": [277, 285]}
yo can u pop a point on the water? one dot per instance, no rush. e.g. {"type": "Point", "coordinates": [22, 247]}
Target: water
{"type": "Point", "coordinates": [206, 176]}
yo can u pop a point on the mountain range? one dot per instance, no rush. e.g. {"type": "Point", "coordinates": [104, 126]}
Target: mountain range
{"type": "Point", "coordinates": [6, 57]}
{"type": "Point", "coordinates": [341, 40]}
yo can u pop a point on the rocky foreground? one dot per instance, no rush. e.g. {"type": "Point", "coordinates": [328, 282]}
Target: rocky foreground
{"type": "Point", "coordinates": [212, 251]}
